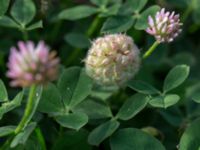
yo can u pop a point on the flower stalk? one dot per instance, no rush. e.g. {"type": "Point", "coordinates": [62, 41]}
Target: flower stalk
{"type": "Point", "coordinates": [151, 50]}
{"type": "Point", "coordinates": [29, 111]}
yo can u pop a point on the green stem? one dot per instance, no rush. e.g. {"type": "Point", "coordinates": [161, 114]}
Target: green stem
{"type": "Point", "coordinates": [40, 138]}
{"type": "Point", "coordinates": [187, 13]}
{"type": "Point", "coordinates": [28, 111]}
{"type": "Point", "coordinates": [93, 26]}
{"type": "Point", "coordinates": [89, 33]}
{"type": "Point", "coordinates": [151, 49]}
{"type": "Point", "coordinates": [188, 10]}
{"type": "Point", "coordinates": [25, 34]}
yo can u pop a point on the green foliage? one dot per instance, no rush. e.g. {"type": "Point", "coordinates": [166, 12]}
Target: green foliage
{"type": "Point", "coordinates": [117, 24]}
{"type": "Point", "coordinates": [59, 101]}
{"type": "Point", "coordinates": [100, 3]}
{"type": "Point", "coordinates": [23, 11]}
{"type": "Point", "coordinates": [10, 105]}
{"type": "Point", "coordinates": [77, 141]}
{"type": "Point", "coordinates": [22, 137]}
{"type": "Point", "coordinates": [78, 12]}
{"type": "Point", "coordinates": [102, 132]}
{"type": "Point", "coordinates": [142, 23]}
{"type": "Point", "coordinates": [196, 97]}
{"type": "Point", "coordinates": [3, 92]}
{"type": "Point", "coordinates": [73, 121]}
{"type": "Point", "coordinates": [191, 137]}
{"type": "Point", "coordinates": [4, 6]}
{"type": "Point", "coordinates": [8, 22]}
{"type": "Point", "coordinates": [176, 77]}
{"type": "Point", "coordinates": [99, 109]}
{"type": "Point", "coordinates": [6, 130]}
{"type": "Point", "coordinates": [143, 87]}
{"type": "Point", "coordinates": [128, 15]}
{"type": "Point", "coordinates": [164, 102]}
{"type": "Point", "coordinates": [132, 106]}
{"type": "Point", "coordinates": [131, 138]}
{"type": "Point", "coordinates": [77, 40]}
{"type": "Point", "coordinates": [74, 86]}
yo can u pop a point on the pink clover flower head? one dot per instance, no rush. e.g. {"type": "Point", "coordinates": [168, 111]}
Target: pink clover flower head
{"type": "Point", "coordinates": [164, 26]}
{"type": "Point", "coordinates": [32, 64]}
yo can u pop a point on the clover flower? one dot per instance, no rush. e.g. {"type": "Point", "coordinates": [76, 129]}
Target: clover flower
{"type": "Point", "coordinates": [112, 60]}
{"type": "Point", "coordinates": [32, 64]}
{"type": "Point", "coordinates": [165, 26]}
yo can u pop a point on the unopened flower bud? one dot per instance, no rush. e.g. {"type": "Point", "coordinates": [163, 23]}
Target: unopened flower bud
{"type": "Point", "coordinates": [165, 26]}
{"type": "Point", "coordinates": [112, 60]}
{"type": "Point", "coordinates": [32, 64]}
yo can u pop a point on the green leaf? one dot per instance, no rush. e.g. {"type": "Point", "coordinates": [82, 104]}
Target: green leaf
{"type": "Point", "coordinates": [110, 11]}
{"type": "Point", "coordinates": [73, 120]}
{"type": "Point", "coordinates": [22, 137]}
{"type": "Point", "coordinates": [99, 109]}
{"type": "Point", "coordinates": [164, 102]}
{"type": "Point", "coordinates": [51, 101]}
{"type": "Point", "coordinates": [74, 86]}
{"type": "Point", "coordinates": [137, 5]}
{"type": "Point", "coordinates": [102, 132]}
{"type": "Point", "coordinates": [77, 141]}
{"type": "Point", "coordinates": [132, 106]}
{"type": "Point", "coordinates": [4, 131]}
{"type": "Point", "coordinates": [142, 87]}
{"type": "Point", "coordinates": [172, 115]}
{"type": "Point", "coordinates": [4, 6]}
{"type": "Point", "coordinates": [134, 139]}
{"type": "Point", "coordinates": [77, 12]}
{"type": "Point", "coordinates": [190, 139]}
{"type": "Point", "coordinates": [10, 105]}
{"type": "Point", "coordinates": [142, 20]}
{"type": "Point", "coordinates": [196, 97]}
{"type": "Point", "coordinates": [103, 93]}
{"type": "Point", "coordinates": [8, 22]}
{"type": "Point", "coordinates": [175, 77]}
{"type": "Point", "coordinates": [100, 2]}
{"type": "Point", "coordinates": [3, 92]}
{"type": "Point", "coordinates": [77, 40]}
{"type": "Point", "coordinates": [183, 58]}
{"type": "Point", "coordinates": [23, 11]}
{"type": "Point", "coordinates": [117, 24]}
{"type": "Point", "coordinates": [35, 25]}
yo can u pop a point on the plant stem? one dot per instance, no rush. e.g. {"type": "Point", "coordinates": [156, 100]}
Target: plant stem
{"type": "Point", "coordinates": [89, 33]}
{"type": "Point", "coordinates": [28, 111]}
{"type": "Point", "coordinates": [188, 10]}
{"type": "Point", "coordinates": [25, 35]}
{"type": "Point", "coordinates": [40, 138]}
{"type": "Point", "coordinates": [151, 49]}
{"type": "Point", "coordinates": [187, 13]}
{"type": "Point", "coordinates": [93, 26]}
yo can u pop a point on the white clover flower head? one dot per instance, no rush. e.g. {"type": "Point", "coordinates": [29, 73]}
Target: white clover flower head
{"type": "Point", "coordinates": [165, 26]}
{"type": "Point", "coordinates": [32, 64]}
{"type": "Point", "coordinates": [112, 60]}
